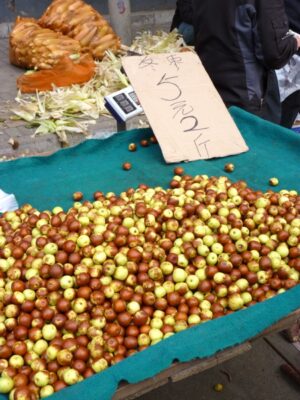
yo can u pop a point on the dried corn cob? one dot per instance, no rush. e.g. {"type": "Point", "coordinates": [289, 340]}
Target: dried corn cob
{"type": "Point", "coordinates": [34, 47]}
{"type": "Point", "coordinates": [82, 22]}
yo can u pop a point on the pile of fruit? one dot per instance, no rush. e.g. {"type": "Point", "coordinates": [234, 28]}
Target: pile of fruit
{"type": "Point", "coordinates": [82, 289]}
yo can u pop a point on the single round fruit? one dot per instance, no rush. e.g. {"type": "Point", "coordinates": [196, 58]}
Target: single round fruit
{"type": "Point", "coordinates": [144, 143]}
{"type": "Point", "coordinates": [178, 171]}
{"type": "Point", "coordinates": [218, 387]}
{"type": "Point", "coordinates": [6, 384]}
{"type": "Point", "coordinates": [132, 147]}
{"type": "Point", "coordinates": [77, 196]}
{"type": "Point", "coordinates": [274, 181]}
{"type": "Point", "coordinates": [153, 139]}
{"type": "Point", "coordinates": [229, 167]}
{"type": "Point", "coordinates": [127, 166]}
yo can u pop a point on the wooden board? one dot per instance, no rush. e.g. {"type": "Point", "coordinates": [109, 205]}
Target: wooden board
{"type": "Point", "coordinates": [177, 372]}
{"type": "Point", "coordinates": [285, 349]}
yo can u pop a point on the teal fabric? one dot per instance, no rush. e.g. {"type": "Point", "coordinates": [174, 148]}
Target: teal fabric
{"type": "Point", "coordinates": [97, 165]}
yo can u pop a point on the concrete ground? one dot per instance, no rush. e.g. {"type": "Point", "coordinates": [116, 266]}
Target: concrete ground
{"type": "Point", "coordinates": [253, 375]}
{"type": "Point", "coordinates": [17, 130]}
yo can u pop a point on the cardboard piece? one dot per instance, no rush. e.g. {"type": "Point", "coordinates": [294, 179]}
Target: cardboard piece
{"type": "Point", "coordinates": [184, 109]}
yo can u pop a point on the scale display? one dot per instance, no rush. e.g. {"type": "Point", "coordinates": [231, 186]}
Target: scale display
{"type": "Point", "coordinates": [123, 104]}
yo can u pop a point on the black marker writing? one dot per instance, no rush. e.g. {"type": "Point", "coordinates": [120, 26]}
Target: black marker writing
{"type": "Point", "coordinates": [183, 107]}
{"type": "Point", "coordinates": [183, 110]}
{"type": "Point", "coordinates": [174, 60]}
{"type": "Point", "coordinates": [202, 145]}
{"type": "Point", "coordinates": [146, 62]}
{"type": "Point", "coordinates": [167, 81]}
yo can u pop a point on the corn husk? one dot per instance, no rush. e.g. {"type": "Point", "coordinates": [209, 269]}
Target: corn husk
{"type": "Point", "coordinates": [160, 42]}
{"type": "Point", "coordinates": [82, 105]}
{"type": "Point", "coordinates": [81, 22]}
{"type": "Point", "coordinates": [75, 108]}
{"type": "Point", "coordinates": [34, 47]}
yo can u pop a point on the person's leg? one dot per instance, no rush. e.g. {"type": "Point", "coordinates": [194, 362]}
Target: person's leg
{"type": "Point", "coordinates": [290, 108]}
{"type": "Point", "coordinates": [271, 109]}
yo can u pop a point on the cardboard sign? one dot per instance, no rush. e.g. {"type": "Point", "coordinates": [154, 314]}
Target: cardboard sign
{"type": "Point", "coordinates": [183, 107]}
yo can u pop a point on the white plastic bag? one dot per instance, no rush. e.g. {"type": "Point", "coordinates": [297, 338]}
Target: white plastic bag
{"type": "Point", "coordinates": [289, 77]}
{"type": "Point", "coordinates": [8, 202]}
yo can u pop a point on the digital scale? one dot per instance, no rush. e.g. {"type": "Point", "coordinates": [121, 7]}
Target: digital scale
{"type": "Point", "coordinates": [123, 104]}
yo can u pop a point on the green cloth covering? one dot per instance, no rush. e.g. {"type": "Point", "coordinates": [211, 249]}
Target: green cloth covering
{"type": "Point", "coordinates": [94, 165]}
{"type": "Point", "coordinates": [97, 165]}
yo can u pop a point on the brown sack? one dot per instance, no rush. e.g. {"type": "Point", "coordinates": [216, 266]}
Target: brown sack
{"type": "Point", "coordinates": [81, 22]}
{"type": "Point", "coordinates": [34, 47]}
{"type": "Point", "coordinates": [65, 73]}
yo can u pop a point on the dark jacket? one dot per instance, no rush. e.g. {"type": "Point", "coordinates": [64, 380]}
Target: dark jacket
{"type": "Point", "coordinates": [240, 43]}
{"type": "Point", "coordinates": [292, 8]}
{"type": "Point", "coordinates": [183, 13]}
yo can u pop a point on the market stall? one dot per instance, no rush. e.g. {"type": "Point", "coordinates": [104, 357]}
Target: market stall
{"type": "Point", "coordinates": [46, 182]}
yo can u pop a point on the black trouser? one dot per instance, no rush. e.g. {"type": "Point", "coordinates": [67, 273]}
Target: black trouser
{"type": "Point", "coordinates": [270, 107]}
{"type": "Point", "coordinates": [290, 108]}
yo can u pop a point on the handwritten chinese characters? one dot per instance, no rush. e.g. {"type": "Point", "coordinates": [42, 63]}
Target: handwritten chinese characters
{"type": "Point", "coordinates": [185, 112]}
